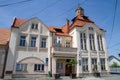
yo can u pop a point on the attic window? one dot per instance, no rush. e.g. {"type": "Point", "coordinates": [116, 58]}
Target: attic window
{"type": "Point", "coordinates": [34, 26]}
{"type": "Point", "coordinates": [58, 30]}
{"type": "Point", "coordinates": [91, 28]}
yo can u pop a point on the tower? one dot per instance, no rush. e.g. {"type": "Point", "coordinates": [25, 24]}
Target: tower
{"type": "Point", "coordinates": [80, 11]}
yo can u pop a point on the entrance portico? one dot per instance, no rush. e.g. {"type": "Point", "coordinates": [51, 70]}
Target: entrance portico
{"type": "Point", "coordinates": [60, 60]}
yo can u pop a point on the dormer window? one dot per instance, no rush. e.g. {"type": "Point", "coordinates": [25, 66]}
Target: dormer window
{"type": "Point", "coordinates": [34, 26]}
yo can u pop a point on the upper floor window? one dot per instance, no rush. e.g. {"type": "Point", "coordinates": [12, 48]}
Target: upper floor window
{"type": "Point", "coordinates": [90, 28]}
{"type": "Point", "coordinates": [38, 67]}
{"type": "Point", "coordinates": [34, 26]}
{"type": "Point", "coordinates": [22, 40]}
{"type": "Point", "coordinates": [67, 44]}
{"type": "Point", "coordinates": [43, 42]}
{"type": "Point", "coordinates": [92, 43]}
{"type": "Point", "coordinates": [21, 67]}
{"type": "Point", "coordinates": [33, 41]}
{"type": "Point", "coordinates": [100, 44]}
{"type": "Point", "coordinates": [58, 40]}
{"type": "Point", "coordinates": [83, 41]}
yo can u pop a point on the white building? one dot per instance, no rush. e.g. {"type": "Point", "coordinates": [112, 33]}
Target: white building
{"type": "Point", "coordinates": [35, 48]}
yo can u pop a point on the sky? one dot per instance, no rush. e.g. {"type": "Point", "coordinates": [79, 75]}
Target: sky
{"type": "Point", "coordinates": [55, 12]}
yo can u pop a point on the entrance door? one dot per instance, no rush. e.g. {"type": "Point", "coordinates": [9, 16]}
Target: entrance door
{"type": "Point", "coordinates": [68, 69]}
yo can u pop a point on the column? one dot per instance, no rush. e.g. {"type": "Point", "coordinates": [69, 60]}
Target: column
{"type": "Point", "coordinates": [106, 52]}
{"type": "Point", "coordinates": [53, 65]}
{"type": "Point", "coordinates": [98, 54]}
{"type": "Point", "coordinates": [89, 53]}
{"type": "Point", "coordinates": [79, 56]}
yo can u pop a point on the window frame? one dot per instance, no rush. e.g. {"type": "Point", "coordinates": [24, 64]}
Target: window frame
{"type": "Point", "coordinates": [43, 42]}
{"type": "Point", "coordinates": [39, 67]}
{"type": "Point", "coordinates": [22, 41]}
{"type": "Point", "coordinates": [33, 42]}
{"type": "Point", "coordinates": [22, 67]}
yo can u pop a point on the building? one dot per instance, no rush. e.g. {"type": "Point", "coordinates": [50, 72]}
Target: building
{"type": "Point", "coordinates": [113, 59]}
{"type": "Point", "coordinates": [114, 64]}
{"type": "Point", "coordinates": [4, 38]}
{"type": "Point", "coordinates": [35, 48]}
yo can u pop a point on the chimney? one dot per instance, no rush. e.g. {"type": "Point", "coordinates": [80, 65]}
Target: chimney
{"type": "Point", "coordinates": [67, 26]}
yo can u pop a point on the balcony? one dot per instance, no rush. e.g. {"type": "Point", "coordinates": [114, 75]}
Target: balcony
{"type": "Point", "coordinates": [64, 51]}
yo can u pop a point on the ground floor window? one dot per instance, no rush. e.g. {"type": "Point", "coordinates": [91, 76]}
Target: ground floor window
{"type": "Point", "coordinates": [94, 64]}
{"type": "Point", "coordinates": [38, 67]}
{"type": "Point", "coordinates": [85, 64]}
{"type": "Point", "coordinates": [21, 67]}
{"type": "Point", "coordinates": [59, 65]}
{"type": "Point", "coordinates": [102, 62]}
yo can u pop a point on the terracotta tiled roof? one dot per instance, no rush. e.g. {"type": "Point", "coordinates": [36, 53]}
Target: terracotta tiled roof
{"type": "Point", "coordinates": [4, 36]}
{"type": "Point", "coordinates": [17, 22]}
{"type": "Point", "coordinates": [80, 21]}
{"type": "Point", "coordinates": [51, 28]}
{"type": "Point", "coordinates": [61, 33]}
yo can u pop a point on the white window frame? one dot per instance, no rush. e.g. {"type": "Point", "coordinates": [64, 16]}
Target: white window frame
{"type": "Point", "coordinates": [44, 42]}
{"type": "Point", "coordinates": [22, 41]}
{"type": "Point", "coordinates": [39, 67]}
{"type": "Point", "coordinates": [92, 42]}
{"type": "Point", "coordinates": [33, 42]}
{"type": "Point", "coordinates": [100, 43]}
{"type": "Point", "coordinates": [102, 63]}
{"type": "Point", "coordinates": [21, 66]}
{"type": "Point", "coordinates": [83, 41]}
{"type": "Point", "coordinates": [85, 64]}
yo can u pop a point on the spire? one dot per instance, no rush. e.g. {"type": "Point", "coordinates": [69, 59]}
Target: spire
{"type": "Point", "coordinates": [79, 11]}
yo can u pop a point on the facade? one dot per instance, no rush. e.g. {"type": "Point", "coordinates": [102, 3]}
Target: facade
{"type": "Point", "coordinates": [36, 49]}
{"type": "Point", "coordinates": [4, 38]}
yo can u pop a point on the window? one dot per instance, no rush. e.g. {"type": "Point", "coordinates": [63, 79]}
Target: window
{"type": "Point", "coordinates": [67, 44]}
{"type": "Point", "coordinates": [102, 62]}
{"type": "Point", "coordinates": [38, 67]}
{"type": "Point", "coordinates": [43, 42]}
{"type": "Point", "coordinates": [94, 64]}
{"type": "Point", "coordinates": [34, 26]}
{"type": "Point", "coordinates": [21, 67]}
{"type": "Point", "coordinates": [85, 64]}
{"type": "Point", "coordinates": [83, 41]}
{"type": "Point", "coordinates": [92, 44]}
{"type": "Point", "coordinates": [59, 65]}
{"type": "Point", "coordinates": [22, 40]}
{"type": "Point", "coordinates": [100, 44]}
{"type": "Point", "coordinates": [33, 41]}
{"type": "Point", "coordinates": [58, 40]}
{"type": "Point", "coordinates": [90, 28]}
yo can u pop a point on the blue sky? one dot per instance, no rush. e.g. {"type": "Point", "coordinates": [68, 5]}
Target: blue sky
{"type": "Point", "coordinates": [55, 12]}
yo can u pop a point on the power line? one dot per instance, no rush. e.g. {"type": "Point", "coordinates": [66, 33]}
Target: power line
{"type": "Point", "coordinates": [113, 24]}
{"type": "Point", "coordinates": [50, 5]}
{"type": "Point", "coordinates": [9, 4]}
{"type": "Point", "coordinates": [70, 9]}
{"type": "Point", "coordinates": [114, 45]}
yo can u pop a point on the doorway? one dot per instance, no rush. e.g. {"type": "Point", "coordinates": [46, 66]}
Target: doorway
{"type": "Point", "coordinates": [68, 69]}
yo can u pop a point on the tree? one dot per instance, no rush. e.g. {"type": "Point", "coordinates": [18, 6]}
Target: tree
{"type": "Point", "coordinates": [73, 62]}
{"type": "Point", "coordinates": [115, 65]}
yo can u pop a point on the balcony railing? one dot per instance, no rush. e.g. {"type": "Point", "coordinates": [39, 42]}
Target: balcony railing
{"type": "Point", "coordinates": [65, 50]}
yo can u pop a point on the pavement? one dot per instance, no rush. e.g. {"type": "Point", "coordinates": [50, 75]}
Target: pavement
{"type": "Point", "coordinates": [105, 77]}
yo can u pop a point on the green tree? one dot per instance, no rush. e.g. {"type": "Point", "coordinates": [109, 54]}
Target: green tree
{"type": "Point", "coordinates": [115, 65]}
{"type": "Point", "coordinates": [73, 62]}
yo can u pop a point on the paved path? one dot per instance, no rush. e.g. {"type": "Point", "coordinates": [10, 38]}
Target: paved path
{"type": "Point", "coordinates": [106, 77]}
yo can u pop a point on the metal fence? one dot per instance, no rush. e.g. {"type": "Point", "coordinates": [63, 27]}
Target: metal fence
{"type": "Point", "coordinates": [115, 69]}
